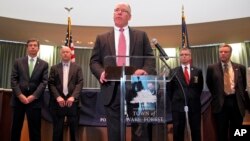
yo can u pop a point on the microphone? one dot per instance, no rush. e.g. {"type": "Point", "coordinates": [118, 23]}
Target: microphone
{"type": "Point", "coordinates": [162, 52]}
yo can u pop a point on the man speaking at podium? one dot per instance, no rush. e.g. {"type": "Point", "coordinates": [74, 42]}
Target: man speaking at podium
{"type": "Point", "coordinates": [122, 40]}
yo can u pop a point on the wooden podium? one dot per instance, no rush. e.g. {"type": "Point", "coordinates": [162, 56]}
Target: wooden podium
{"type": "Point", "coordinates": [5, 114]}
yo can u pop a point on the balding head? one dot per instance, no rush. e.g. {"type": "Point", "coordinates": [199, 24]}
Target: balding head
{"type": "Point", "coordinates": [65, 54]}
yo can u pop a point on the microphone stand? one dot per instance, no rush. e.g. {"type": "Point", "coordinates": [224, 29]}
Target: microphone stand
{"type": "Point", "coordinates": [185, 107]}
{"type": "Point", "coordinates": [184, 94]}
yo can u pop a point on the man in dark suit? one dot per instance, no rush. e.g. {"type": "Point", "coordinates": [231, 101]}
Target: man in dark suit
{"type": "Point", "coordinates": [108, 44]}
{"type": "Point", "coordinates": [65, 84]}
{"type": "Point", "coordinates": [28, 80]}
{"type": "Point", "coordinates": [184, 91]}
{"type": "Point", "coordinates": [227, 97]}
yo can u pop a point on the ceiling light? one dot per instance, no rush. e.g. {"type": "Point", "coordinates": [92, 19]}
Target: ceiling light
{"type": "Point", "coordinates": [90, 43]}
{"type": "Point", "coordinates": [78, 42]}
{"type": "Point", "coordinates": [46, 40]}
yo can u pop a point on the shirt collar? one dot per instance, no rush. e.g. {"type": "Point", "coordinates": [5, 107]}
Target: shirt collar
{"type": "Point", "coordinates": [229, 64]}
{"type": "Point", "coordinates": [118, 28]}
{"type": "Point", "coordinates": [68, 63]}
{"type": "Point", "coordinates": [183, 66]}
{"type": "Point", "coordinates": [34, 58]}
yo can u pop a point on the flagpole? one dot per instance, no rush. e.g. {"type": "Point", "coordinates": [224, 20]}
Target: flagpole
{"type": "Point", "coordinates": [68, 41]}
{"type": "Point", "coordinates": [69, 23]}
{"type": "Point", "coordinates": [185, 44]}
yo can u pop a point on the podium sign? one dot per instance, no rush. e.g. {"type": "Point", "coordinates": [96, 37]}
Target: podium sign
{"type": "Point", "coordinates": [143, 98]}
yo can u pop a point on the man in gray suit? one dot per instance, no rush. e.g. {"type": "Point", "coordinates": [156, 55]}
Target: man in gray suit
{"type": "Point", "coordinates": [28, 80]}
{"type": "Point", "coordinates": [107, 44]}
{"type": "Point", "coordinates": [228, 101]}
{"type": "Point", "coordinates": [65, 84]}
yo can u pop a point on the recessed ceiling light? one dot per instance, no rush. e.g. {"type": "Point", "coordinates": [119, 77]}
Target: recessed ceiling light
{"type": "Point", "coordinates": [90, 43]}
{"type": "Point", "coordinates": [78, 42]}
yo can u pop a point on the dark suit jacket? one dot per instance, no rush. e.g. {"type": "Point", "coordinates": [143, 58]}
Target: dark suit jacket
{"type": "Point", "coordinates": [75, 83]}
{"type": "Point", "coordinates": [215, 83]}
{"type": "Point", "coordinates": [21, 82]}
{"type": "Point", "coordinates": [192, 91]}
{"type": "Point", "coordinates": [105, 46]}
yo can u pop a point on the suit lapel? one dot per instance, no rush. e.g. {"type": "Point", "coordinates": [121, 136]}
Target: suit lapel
{"type": "Point", "coordinates": [70, 72]}
{"type": "Point", "coordinates": [111, 45]}
{"type": "Point", "coordinates": [60, 69]}
{"type": "Point", "coordinates": [36, 66]}
{"type": "Point", "coordinates": [235, 69]}
{"type": "Point", "coordinates": [111, 42]}
{"type": "Point", "coordinates": [132, 39]}
{"type": "Point", "coordinates": [26, 66]}
{"type": "Point", "coordinates": [191, 75]}
{"type": "Point", "coordinates": [220, 70]}
{"type": "Point", "coordinates": [181, 74]}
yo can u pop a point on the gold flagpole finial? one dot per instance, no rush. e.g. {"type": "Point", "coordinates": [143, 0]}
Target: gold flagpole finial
{"type": "Point", "coordinates": [68, 9]}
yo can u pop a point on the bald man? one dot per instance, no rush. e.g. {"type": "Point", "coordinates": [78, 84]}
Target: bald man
{"type": "Point", "coordinates": [65, 84]}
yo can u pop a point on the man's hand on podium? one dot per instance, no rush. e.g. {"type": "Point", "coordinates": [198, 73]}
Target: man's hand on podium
{"type": "Point", "coordinates": [140, 72]}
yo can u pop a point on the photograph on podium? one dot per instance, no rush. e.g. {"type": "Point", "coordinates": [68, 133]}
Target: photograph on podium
{"type": "Point", "coordinates": [143, 99]}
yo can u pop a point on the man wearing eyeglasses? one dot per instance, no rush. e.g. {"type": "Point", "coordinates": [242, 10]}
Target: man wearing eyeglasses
{"type": "Point", "coordinates": [121, 41]}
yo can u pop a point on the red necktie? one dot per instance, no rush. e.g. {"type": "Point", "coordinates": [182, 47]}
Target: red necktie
{"type": "Point", "coordinates": [186, 74]}
{"type": "Point", "coordinates": [121, 49]}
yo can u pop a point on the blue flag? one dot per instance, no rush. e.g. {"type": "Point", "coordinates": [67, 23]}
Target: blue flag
{"type": "Point", "coordinates": [185, 42]}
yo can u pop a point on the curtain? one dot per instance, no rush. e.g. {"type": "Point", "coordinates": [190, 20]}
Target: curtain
{"type": "Point", "coordinates": [201, 57]}
{"type": "Point", "coordinates": [247, 53]}
{"type": "Point", "coordinates": [9, 51]}
{"type": "Point", "coordinates": [83, 58]}
{"type": "Point", "coordinates": [50, 54]}
{"type": "Point", "coordinates": [161, 67]}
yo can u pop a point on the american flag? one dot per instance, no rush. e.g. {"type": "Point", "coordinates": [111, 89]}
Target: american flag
{"type": "Point", "coordinates": [68, 40]}
{"type": "Point", "coordinates": [185, 42]}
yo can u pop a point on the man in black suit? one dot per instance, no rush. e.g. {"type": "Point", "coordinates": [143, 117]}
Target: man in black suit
{"type": "Point", "coordinates": [227, 97]}
{"type": "Point", "coordinates": [185, 90]}
{"type": "Point", "coordinates": [137, 44]}
{"type": "Point", "coordinates": [28, 80]}
{"type": "Point", "coordinates": [65, 84]}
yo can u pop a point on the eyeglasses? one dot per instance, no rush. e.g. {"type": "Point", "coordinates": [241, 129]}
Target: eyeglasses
{"type": "Point", "coordinates": [120, 10]}
{"type": "Point", "coordinates": [184, 54]}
